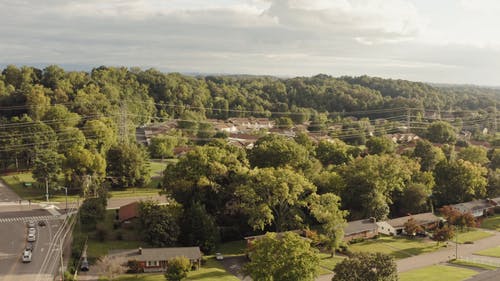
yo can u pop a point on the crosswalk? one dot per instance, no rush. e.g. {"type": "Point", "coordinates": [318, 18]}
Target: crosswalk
{"type": "Point", "coordinates": [26, 219]}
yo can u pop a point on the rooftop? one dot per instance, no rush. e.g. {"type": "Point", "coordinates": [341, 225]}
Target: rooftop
{"type": "Point", "coordinates": [420, 219]}
{"type": "Point", "coordinates": [359, 226]}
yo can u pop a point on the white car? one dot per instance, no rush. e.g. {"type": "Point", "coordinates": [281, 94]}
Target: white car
{"type": "Point", "coordinates": [31, 230]}
{"type": "Point", "coordinates": [31, 224]}
{"type": "Point", "coordinates": [219, 256]}
{"type": "Point", "coordinates": [31, 237]}
{"type": "Point", "coordinates": [27, 256]}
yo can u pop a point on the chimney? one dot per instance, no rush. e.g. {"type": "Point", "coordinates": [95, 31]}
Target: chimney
{"type": "Point", "coordinates": [140, 250]}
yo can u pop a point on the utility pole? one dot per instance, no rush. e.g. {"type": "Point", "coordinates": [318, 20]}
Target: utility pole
{"type": "Point", "coordinates": [47, 189]}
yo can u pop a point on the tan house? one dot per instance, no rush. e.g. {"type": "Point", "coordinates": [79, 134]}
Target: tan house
{"type": "Point", "coordinates": [367, 228]}
{"type": "Point", "coordinates": [396, 226]}
{"type": "Point", "coordinates": [156, 259]}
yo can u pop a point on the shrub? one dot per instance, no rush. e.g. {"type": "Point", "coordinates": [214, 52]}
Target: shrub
{"type": "Point", "coordinates": [101, 233]}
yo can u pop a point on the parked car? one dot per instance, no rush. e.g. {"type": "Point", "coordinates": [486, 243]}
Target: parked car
{"type": "Point", "coordinates": [32, 230]}
{"type": "Point", "coordinates": [26, 256]}
{"type": "Point", "coordinates": [31, 224]}
{"type": "Point", "coordinates": [219, 256]}
{"type": "Point", "coordinates": [42, 223]}
{"type": "Point", "coordinates": [85, 265]}
{"type": "Point", "coordinates": [29, 247]}
{"type": "Point", "coordinates": [31, 237]}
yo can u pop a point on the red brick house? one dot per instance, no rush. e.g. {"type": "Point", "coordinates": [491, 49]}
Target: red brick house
{"type": "Point", "coordinates": [128, 212]}
{"type": "Point", "coordinates": [156, 259]}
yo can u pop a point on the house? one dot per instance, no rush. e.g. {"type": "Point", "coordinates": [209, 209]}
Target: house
{"type": "Point", "coordinates": [367, 228]}
{"type": "Point", "coordinates": [128, 212]}
{"type": "Point", "coordinates": [396, 226]}
{"type": "Point", "coordinates": [477, 208]}
{"type": "Point", "coordinates": [156, 259]}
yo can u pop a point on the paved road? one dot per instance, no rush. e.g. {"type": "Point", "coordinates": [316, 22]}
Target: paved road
{"type": "Point", "coordinates": [11, 266]}
{"type": "Point", "coordinates": [464, 250]}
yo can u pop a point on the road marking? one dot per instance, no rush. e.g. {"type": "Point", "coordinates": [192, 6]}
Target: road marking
{"type": "Point", "coordinates": [26, 219]}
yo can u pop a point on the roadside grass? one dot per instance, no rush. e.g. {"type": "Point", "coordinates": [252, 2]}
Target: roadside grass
{"type": "Point", "coordinates": [437, 273]}
{"type": "Point", "coordinates": [35, 192]}
{"type": "Point", "coordinates": [134, 192]}
{"type": "Point", "coordinates": [491, 252]}
{"type": "Point", "coordinates": [474, 264]}
{"type": "Point", "coordinates": [398, 247]}
{"type": "Point", "coordinates": [472, 235]}
{"type": "Point", "coordinates": [492, 223]}
{"type": "Point", "coordinates": [211, 270]}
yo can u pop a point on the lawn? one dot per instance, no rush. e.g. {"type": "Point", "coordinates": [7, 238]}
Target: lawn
{"type": "Point", "coordinates": [398, 247]}
{"type": "Point", "coordinates": [437, 273]}
{"type": "Point", "coordinates": [329, 262]}
{"type": "Point", "coordinates": [474, 264]}
{"type": "Point", "coordinates": [491, 252]}
{"type": "Point", "coordinates": [233, 248]}
{"type": "Point", "coordinates": [492, 223]}
{"type": "Point", "coordinates": [211, 270]}
{"type": "Point", "coordinates": [472, 235]}
{"type": "Point", "coordinates": [133, 192]}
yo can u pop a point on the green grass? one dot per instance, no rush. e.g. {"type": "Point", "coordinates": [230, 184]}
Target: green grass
{"type": "Point", "coordinates": [233, 248]}
{"type": "Point", "coordinates": [472, 235]}
{"type": "Point", "coordinates": [492, 223]}
{"type": "Point", "coordinates": [491, 252]}
{"type": "Point", "coordinates": [437, 273]}
{"type": "Point", "coordinates": [211, 270]}
{"type": "Point", "coordinates": [157, 167]}
{"type": "Point", "coordinates": [474, 264]}
{"type": "Point", "coordinates": [133, 192]}
{"type": "Point", "coordinates": [398, 247]}
{"type": "Point", "coordinates": [329, 262]}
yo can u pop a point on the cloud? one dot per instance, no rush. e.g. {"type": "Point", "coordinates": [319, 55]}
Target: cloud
{"type": "Point", "coordinates": [280, 37]}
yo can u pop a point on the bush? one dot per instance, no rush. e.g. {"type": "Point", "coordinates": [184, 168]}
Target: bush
{"type": "Point", "coordinates": [119, 235]}
{"type": "Point", "coordinates": [133, 267]}
{"type": "Point", "coordinates": [101, 233]}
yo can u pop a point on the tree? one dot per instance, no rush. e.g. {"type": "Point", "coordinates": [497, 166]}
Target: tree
{"type": "Point", "coordinates": [415, 199]}
{"type": "Point", "coordinates": [380, 145]}
{"type": "Point", "coordinates": [495, 159]}
{"type": "Point", "coordinates": [127, 166]}
{"type": "Point", "coordinates": [284, 257]}
{"type": "Point", "coordinates": [284, 123]}
{"type": "Point", "coordinates": [277, 151]}
{"type": "Point", "coordinates": [428, 154]}
{"type": "Point", "coordinates": [333, 152]}
{"type": "Point", "coordinates": [100, 135]}
{"type": "Point", "coordinates": [162, 146]}
{"type": "Point", "coordinates": [474, 154]}
{"type": "Point", "coordinates": [274, 196]}
{"type": "Point", "coordinates": [441, 132]}
{"type": "Point", "coordinates": [443, 234]}
{"type": "Point", "coordinates": [84, 170]}
{"type": "Point", "coordinates": [411, 227]}
{"type": "Point", "coordinates": [48, 167]}
{"type": "Point", "coordinates": [459, 181]}
{"type": "Point", "coordinates": [372, 181]}
{"type": "Point", "coordinates": [159, 223]}
{"type": "Point", "coordinates": [366, 267]}
{"type": "Point", "coordinates": [198, 228]}
{"type": "Point", "coordinates": [92, 211]}
{"type": "Point", "coordinates": [177, 269]}
{"type": "Point", "coordinates": [326, 209]}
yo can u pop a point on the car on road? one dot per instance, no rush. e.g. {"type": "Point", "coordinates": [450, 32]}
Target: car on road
{"type": "Point", "coordinates": [219, 256]}
{"type": "Point", "coordinates": [85, 265]}
{"type": "Point", "coordinates": [26, 256]}
{"type": "Point", "coordinates": [29, 247]}
{"type": "Point", "coordinates": [42, 223]}
{"type": "Point", "coordinates": [32, 230]}
{"type": "Point", "coordinates": [31, 224]}
{"type": "Point", "coordinates": [31, 237]}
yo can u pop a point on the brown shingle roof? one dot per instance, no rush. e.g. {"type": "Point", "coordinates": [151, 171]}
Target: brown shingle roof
{"type": "Point", "coordinates": [420, 219]}
{"type": "Point", "coordinates": [359, 226]}
{"type": "Point", "coordinates": [471, 206]}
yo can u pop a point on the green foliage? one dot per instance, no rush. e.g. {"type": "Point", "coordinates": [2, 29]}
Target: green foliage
{"type": "Point", "coordinates": [48, 166]}
{"type": "Point", "coordinates": [333, 152]}
{"type": "Point", "coordinates": [443, 234]}
{"type": "Point", "coordinates": [277, 151]}
{"type": "Point", "coordinates": [474, 154]}
{"type": "Point", "coordinates": [459, 181]}
{"type": "Point", "coordinates": [380, 145]}
{"type": "Point", "coordinates": [428, 155]}
{"type": "Point", "coordinates": [92, 211]}
{"type": "Point", "coordinates": [282, 257]}
{"type": "Point", "coordinates": [128, 166]}
{"type": "Point", "coordinates": [162, 146]}
{"type": "Point", "coordinates": [274, 196]}
{"type": "Point", "coordinates": [177, 269]}
{"type": "Point", "coordinates": [159, 223]}
{"type": "Point", "coordinates": [441, 132]}
{"type": "Point", "coordinates": [199, 228]}
{"type": "Point", "coordinates": [366, 267]}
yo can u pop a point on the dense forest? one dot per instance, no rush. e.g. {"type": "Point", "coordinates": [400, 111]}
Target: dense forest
{"type": "Point", "coordinates": [80, 126]}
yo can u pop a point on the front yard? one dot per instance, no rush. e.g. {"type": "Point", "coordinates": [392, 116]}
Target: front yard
{"type": "Point", "coordinates": [491, 252]}
{"type": "Point", "coordinates": [472, 235]}
{"type": "Point", "coordinates": [492, 223]}
{"type": "Point", "coordinates": [437, 273]}
{"type": "Point", "coordinates": [398, 247]}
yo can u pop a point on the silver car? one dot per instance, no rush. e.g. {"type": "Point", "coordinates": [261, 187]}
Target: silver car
{"type": "Point", "coordinates": [31, 237]}
{"type": "Point", "coordinates": [27, 256]}
{"type": "Point", "coordinates": [31, 230]}
{"type": "Point", "coordinates": [31, 224]}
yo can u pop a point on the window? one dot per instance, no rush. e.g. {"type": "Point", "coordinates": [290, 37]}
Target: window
{"type": "Point", "coordinates": [152, 263]}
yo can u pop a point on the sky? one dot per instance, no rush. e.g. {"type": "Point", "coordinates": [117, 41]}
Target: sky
{"type": "Point", "coordinates": [443, 41]}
